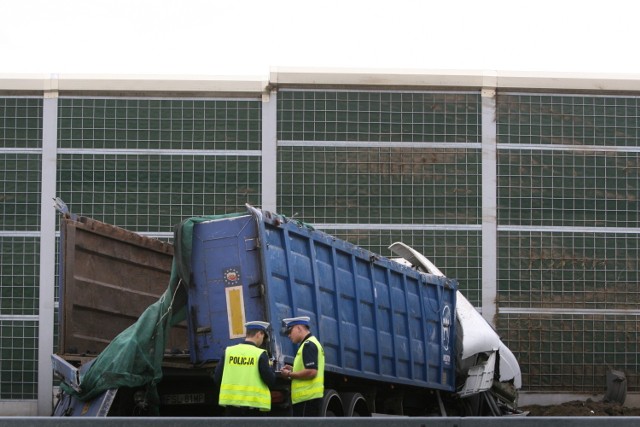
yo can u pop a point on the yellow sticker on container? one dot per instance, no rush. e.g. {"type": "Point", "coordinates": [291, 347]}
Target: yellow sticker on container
{"type": "Point", "coordinates": [235, 311]}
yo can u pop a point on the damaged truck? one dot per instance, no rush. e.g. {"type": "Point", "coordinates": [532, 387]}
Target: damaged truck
{"type": "Point", "coordinates": [142, 322]}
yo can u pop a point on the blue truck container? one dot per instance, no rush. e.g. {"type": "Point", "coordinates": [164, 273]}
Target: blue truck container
{"type": "Point", "coordinates": [379, 321]}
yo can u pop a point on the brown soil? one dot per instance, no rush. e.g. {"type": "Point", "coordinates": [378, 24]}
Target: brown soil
{"type": "Point", "coordinates": [579, 408]}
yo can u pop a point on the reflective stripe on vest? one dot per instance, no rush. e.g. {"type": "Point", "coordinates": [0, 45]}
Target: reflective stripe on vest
{"type": "Point", "coordinates": [302, 390]}
{"type": "Point", "coordinates": [241, 382]}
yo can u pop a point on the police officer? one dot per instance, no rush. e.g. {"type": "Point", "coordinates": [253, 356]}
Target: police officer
{"type": "Point", "coordinates": [245, 376]}
{"type": "Point", "coordinates": [307, 372]}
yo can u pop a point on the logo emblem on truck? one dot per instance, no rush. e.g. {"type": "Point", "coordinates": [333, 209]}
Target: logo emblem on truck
{"type": "Point", "coordinates": [231, 276]}
{"type": "Point", "coordinates": [446, 322]}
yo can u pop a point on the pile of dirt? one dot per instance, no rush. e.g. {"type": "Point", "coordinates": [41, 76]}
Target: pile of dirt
{"type": "Point", "coordinates": [581, 408]}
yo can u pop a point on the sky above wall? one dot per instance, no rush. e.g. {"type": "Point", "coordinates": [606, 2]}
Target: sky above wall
{"type": "Point", "coordinates": [250, 37]}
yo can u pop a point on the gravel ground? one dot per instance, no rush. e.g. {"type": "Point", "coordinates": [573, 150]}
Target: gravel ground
{"type": "Point", "coordinates": [580, 408]}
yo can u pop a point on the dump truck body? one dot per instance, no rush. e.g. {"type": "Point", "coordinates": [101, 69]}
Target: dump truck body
{"type": "Point", "coordinates": [376, 319]}
{"type": "Point", "coordinates": [107, 276]}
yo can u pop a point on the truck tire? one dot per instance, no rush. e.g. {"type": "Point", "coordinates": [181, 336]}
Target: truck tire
{"type": "Point", "coordinates": [331, 404]}
{"type": "Point", "coordinates": [354, 405]}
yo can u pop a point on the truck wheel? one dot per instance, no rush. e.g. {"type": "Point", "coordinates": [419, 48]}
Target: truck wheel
{"type": "Point", "coordinates": [331, 404]}
{"type": "Point", "coordinates": [354, 405]}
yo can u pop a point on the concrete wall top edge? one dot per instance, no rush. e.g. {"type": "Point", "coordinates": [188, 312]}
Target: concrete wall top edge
{"type": "Point", "coordinates": [469, 79]}
{"type": "Point", "coordinates": [132, 83]}
{"type": "Point", "coordinates": [310, 77]}
{"type": "Point", "coordinates": [363, 77]}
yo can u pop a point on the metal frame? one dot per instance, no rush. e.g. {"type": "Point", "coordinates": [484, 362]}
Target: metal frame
{"type": "Point", "coordinates": [487, 82]}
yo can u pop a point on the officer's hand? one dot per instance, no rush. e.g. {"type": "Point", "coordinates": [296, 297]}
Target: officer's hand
{"type": "Point", "coordinates": [285, 371]}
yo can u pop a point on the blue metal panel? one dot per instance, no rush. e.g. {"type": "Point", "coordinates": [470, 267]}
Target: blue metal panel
{"type": "Point", "coordinates": [376, 318]}
{"type": "Point", "coordinates": [69, 406]}
{"type": "Point", "coordinates": [224, 255]}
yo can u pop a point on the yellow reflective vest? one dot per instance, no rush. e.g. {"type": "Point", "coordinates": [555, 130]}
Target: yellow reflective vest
{"type": "Point", "coordinates": [302, 390]}
{"type": "Point", "coordinates": [241, 382]}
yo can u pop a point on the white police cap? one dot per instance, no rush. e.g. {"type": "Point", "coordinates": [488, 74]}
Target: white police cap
{"type": "Point", "coordinates": [258, 325]}
{"type": "Point", "coordinates": [292, 321]}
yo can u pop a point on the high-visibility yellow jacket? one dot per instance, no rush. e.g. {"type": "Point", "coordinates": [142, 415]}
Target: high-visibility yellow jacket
{"type": "Point", "coordinates": [241, 382]}
{"type": "Point", "coordinates": [302, 390]}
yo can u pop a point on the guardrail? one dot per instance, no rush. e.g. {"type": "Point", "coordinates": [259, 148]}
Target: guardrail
{"type": "Point", "coordinates": [316, 422]}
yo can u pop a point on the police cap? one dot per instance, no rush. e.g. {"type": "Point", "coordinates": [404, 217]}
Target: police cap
{"type": "Point", "coordinates": [292, 321]}
{"type": "Point", "coordinates": [258, 325]}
